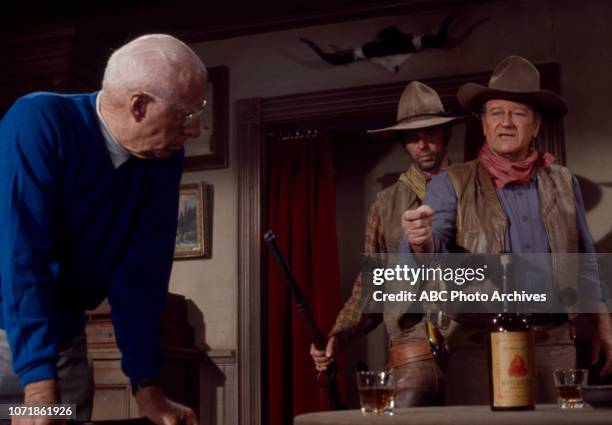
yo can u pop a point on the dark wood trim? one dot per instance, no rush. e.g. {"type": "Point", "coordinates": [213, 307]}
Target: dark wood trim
{"type": "Point", "coordinates": [249, 163]}
{"type": "Point", "coordinates": [322, 16]}
{"type": "Point", "coordinates": [358, 101]}
{"type": "Point", "coordinates": [196, 21]}
{"type": "Point", "coordinates": [252, 116]}
{"type": "Point", "coordinates": [65, 59]}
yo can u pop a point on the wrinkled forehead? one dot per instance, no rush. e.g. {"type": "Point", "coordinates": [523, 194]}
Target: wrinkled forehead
{"type": "Point", "coordinates": [506, 105]}
{"type": "Point", "coordinates": [190, 88]}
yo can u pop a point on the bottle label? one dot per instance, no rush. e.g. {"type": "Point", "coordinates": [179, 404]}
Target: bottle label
{"type": "Point", "coordinates": [512, 369]}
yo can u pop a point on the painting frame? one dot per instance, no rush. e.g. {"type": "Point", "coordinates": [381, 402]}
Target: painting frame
{"type": "Point", "coordinates": [193, 234]}
{"type": "Point", "coordinates": [215, 132]}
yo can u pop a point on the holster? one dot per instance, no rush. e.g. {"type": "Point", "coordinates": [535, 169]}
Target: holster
{"type": "Point", "coordinates": [412, 350]}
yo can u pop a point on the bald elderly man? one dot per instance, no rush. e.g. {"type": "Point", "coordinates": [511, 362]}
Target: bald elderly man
{"type": "Point", "coordinates": [88, 210]}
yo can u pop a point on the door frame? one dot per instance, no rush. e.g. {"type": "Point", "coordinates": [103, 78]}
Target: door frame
{"type": "Point", "coordinates": [253, 116]}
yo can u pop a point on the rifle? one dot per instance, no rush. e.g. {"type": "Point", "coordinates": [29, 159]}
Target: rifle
{"type": "Point", "coordinates": [329, 377]}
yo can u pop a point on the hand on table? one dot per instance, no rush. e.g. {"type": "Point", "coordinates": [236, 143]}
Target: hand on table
{"type": "Point", "coordinates": [40, 392]}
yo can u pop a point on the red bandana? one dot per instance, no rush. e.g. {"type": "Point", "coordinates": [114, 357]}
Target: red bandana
{"type": "Point", "coordinates": [503, 171]}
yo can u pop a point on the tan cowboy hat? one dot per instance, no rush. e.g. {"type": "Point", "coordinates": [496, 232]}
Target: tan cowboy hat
{"type": "Point", "coordinates": [419, 107]}
{"type": "Point", "coordinates": [516, 79]}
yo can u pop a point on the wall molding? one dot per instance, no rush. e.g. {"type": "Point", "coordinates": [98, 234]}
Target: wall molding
{"type": "Point", "coordinates": [249, 160]}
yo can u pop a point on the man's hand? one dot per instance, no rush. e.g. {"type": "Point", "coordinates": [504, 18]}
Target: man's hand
{"type": "Point", "coordinates": [602, 341]}
{"type": "Point", "coordinates": [417, 228]}
{"type": "Point", "coordinates": [162, 411]}
{"type": "Point", "coordinates": [322, 359]}
{"type": "Point", "coordinates": [40, 392]}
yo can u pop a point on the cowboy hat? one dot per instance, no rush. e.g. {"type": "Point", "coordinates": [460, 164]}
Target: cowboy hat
{"type": "Point", "coordinates": [419, 107]}
{"type": "Point", "coordinates": [516, 79]}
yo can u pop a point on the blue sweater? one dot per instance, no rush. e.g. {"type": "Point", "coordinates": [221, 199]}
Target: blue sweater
{"type": "Point", "coordinates": [74, 230]}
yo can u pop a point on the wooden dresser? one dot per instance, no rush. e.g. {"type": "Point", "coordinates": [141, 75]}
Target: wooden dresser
{"type": "Point", "coordinates": [180, 371]}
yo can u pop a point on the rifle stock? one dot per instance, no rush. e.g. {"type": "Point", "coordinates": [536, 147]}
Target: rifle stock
{"type": "Point", "coordinates": [329, 378]}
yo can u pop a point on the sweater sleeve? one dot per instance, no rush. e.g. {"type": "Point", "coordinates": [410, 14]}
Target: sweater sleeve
{"type": "Point", "coordinates": [139, 284]}
{"type": "Point", "coordinates": [29, 182]}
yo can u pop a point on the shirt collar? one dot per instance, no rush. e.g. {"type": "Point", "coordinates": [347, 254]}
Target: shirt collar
{"type": "Point", "coordinates": [117, 153]}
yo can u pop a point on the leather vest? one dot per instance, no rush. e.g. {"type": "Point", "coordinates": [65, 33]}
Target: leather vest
{"type": "Point", "coordinates": [405, 194]}
{"type": "Point", "coordinates": [481, 223]}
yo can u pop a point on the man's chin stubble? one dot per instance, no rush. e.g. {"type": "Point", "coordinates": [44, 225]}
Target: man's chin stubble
{"type": "Point", "coordinates": [430, 166]}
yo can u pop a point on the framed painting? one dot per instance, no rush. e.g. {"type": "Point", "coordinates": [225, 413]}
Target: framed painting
{"type": "Point", "coordinates": [193, 233]}
{"type": "Point", "coordinates": [210, 149]}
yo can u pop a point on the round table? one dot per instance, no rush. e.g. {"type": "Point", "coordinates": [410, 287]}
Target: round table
{"type": "Point", "coordinates": [463, 415]}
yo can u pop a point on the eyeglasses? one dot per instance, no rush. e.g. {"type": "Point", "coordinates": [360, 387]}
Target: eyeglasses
{"type": "Point", "coordinates": [191, 117]}
{"type": "Point", "coordinates": [188, 118]}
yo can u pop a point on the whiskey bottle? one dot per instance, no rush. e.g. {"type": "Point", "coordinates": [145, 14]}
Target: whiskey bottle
{"type": "Point", "coordinates": [511, 353]}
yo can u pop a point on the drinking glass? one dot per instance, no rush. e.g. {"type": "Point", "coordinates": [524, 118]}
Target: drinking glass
{"type": "Point", "coordinates": [568, 383]}
{"type": "Point", "coordinates": [376, 392]}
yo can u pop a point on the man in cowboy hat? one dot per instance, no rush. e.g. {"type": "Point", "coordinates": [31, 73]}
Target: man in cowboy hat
{"type": "Point", "coordinates": [423, 128]}
{"type": "Point", "coordinates": [512, 198]}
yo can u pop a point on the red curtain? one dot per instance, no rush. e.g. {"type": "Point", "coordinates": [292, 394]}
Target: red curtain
{"type": "Point", "coordinates": [302, 214]}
